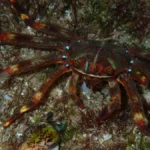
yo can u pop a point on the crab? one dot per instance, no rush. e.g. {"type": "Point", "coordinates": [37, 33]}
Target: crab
{"type": "Point", "coordinates": [82, 58]}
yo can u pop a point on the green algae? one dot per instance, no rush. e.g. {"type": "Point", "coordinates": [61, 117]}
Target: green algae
{"type": "Point", "coordinates": [69, 133]}
{"type": "Point", "coordinates": [45, 132]}
{"type": "Point", "coordinates": [136, 140]}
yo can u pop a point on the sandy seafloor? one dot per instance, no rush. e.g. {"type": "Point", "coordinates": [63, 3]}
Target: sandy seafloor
{"type": "Point", "coordinates": [82, 132]}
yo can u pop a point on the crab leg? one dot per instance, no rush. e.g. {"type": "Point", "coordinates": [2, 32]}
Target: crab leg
{"type": "Point", "coordinates": [31, 41]}
{"type": "Point", "coordinates": [72, 88]}
{"type": "Point", "coordinates": [116, 101]}
{"type": "Point", "coordinates": [41, 27]}
{"type": "Point", "coordinates": [29, 65]}
{"type": "Point", "coordinates": [39, 95]}
{"type": "Point", "coordinates": [139, 114]}
{"type": "Point", "coordinates": [141, 53]}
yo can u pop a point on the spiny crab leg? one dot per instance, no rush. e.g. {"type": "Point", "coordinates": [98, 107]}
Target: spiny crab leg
{"type": "Point", "coordinates": [31, 41]}
{"type": "Point", "coordinates": [140, 116]}
{"type": "Point", "coordinates": [29, 65]}
{"type": "Point", "coordinates": [72, 89]}
{"type": "Point", "coordinates": [115, 101]}
{"type": "Point", "coordinates": [42, 27]}
{"type": "Point", "coordinates": [141, 53]}
{"type": "Point", "coordinates": [39, 95]}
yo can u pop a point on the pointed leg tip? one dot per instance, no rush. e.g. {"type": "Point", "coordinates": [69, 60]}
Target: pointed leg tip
{"type": "Point", "coordinates": [143, 127]}
{"type": "Point", "coordinates": [5, 125]}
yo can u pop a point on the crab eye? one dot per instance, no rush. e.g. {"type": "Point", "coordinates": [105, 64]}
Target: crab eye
{"type": "Point", "coordinates": [67, 65]}
{"type": "Point", "coordinates": [67, 47]}
{"type": "Point", "coordinates": [63, 56]}
{"type": "Point", "coordinates": [129, 70]}
{"type": "Point", "coordinates": [131, 61]}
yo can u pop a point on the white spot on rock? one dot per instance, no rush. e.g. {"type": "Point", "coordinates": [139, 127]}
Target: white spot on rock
{"type": "Point", "coordinates": [107, 137]}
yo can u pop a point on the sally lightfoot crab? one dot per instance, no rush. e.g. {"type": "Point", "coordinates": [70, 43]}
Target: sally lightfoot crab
{"type": "Point", "coordinates": [85, 59]}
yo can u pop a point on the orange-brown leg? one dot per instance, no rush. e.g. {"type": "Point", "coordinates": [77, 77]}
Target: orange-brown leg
{"type": "Point", "coordinates": [72, 89]}
{"type": "Point", "coordinates": [31, 41]}
{"type": "Point", "coordinates": [41, 27]}
{"type": "Point", "coordinates": [115, 101]}
{"type": "Point", "coordinates": [29, 65]}
{"type": "Point", "coordinates": [139, 112]}
{"type": "Point", "coordinates": [37, 98]}
{"type": "Point", "coordinates": [141, 53]}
